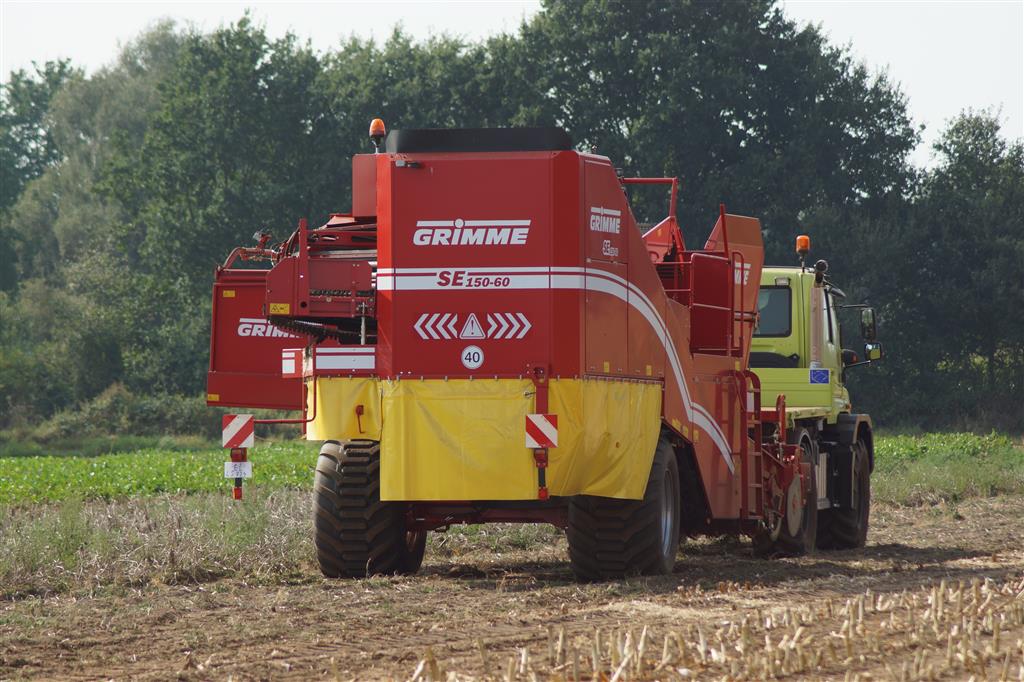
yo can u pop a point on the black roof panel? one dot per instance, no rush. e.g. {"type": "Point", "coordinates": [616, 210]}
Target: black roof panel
{"type": "Point", "coordinates": [412, 141]}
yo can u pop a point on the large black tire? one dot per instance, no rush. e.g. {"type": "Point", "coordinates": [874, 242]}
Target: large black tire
{"type": "Point", "coordinates": [848, 528]}
{"type": "Point", "coordinates": [611, 538]}
{"type": "Point", "coordinates": [804, 540]}
{"type": "Point", "coordinates": [356, 534]}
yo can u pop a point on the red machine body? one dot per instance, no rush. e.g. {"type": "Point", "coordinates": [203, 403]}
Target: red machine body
{"type": "Point", "coordinates": [510, 264]}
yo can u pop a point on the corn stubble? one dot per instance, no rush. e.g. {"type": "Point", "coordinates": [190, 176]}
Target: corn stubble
{"type": "Point", "coordinates": [970, 631]}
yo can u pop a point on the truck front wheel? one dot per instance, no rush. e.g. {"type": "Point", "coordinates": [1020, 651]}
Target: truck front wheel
{"type": "Point", "coordinates": [356, 534]}
{"type": "Point", "coordinates": [610, 538]}
{"type": "Point", "coordinates": [847, 528]}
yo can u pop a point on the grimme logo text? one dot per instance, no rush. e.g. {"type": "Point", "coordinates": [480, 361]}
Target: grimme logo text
{"type": "Point", "coordinates": [605, 220]}
{"type": "Point", "coordinates": [257, 326]}
{"type": "Point", "coordinates": [461, 232]}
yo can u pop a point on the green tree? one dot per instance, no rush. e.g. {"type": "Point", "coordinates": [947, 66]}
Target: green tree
{"type": "Point", "coordinates": [65, 233]}
{"type": "Point", "coordinates": [27, 148]}
{"type": "Point", "coordinates": [972, 210]}
{"type": "Point", "coordinates": [26, 145]}
{"type": "Point", "coordinates": [732, 97]}
{"type": "Point", "coordinates": [946, 271]}
{"type": "Point", "coordinates": [239, 144]}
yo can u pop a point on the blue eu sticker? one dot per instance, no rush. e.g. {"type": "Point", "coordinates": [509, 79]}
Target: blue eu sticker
{"type": "Point", "coordinates": [819, 376]}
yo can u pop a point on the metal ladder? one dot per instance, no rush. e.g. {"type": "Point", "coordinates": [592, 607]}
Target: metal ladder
{"type": "Point", "coordinates": [751, 457]}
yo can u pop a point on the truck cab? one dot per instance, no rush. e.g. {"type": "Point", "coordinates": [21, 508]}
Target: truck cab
{"type": "Point", "coordinates": [799, 351]}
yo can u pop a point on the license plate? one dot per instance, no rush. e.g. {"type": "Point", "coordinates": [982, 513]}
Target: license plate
{"type": "Point", "coordinates": [237, 469]}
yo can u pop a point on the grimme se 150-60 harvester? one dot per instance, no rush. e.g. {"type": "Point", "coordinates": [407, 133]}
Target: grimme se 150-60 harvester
{"type": "Point", "coordinates": [488, 336]}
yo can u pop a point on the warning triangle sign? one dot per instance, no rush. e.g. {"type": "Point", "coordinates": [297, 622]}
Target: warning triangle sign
{"type": "Point", "coordinates": [472, 328]}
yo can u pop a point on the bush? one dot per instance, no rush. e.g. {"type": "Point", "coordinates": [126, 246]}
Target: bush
{"type": "Point", "coordinates": [119, 411]}
{"type": "Point", "coordinates": [120, 420]}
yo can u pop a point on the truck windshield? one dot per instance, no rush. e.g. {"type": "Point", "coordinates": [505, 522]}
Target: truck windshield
{"type": "Point", "coordinates": [774, 315]}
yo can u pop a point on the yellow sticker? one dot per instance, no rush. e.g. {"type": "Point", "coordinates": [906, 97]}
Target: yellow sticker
{"type": "Point", "coordinates": [607, 367]}
{"type": "Point", "coordinates": [213, 397]}
{"type": "Point", "coordinates": [686, 432]}
{"type": "Point", "coordinates": [696, 435]}
{"type": "Point", "coordinates": [228, 293]}
{"type": "Point", "coordinates": [650, 370]}
{"type": "Point", "coordinates": [676, 424]}
{"type": "Point", "coordinates": [737, 365]}
{"type": "Point", "coordinates": [280, 308]}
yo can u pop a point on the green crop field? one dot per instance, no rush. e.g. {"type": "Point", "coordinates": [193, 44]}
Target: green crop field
{"type": "Point", "coordinates": [935, 467]}
{"type": "Point", "coordinates": [148, 472]}
{"type": "Point", "coordinates": [909, 470]}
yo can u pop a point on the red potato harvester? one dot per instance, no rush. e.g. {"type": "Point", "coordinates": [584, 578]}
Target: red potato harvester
{"type": "Point", "coordinates": [488, 336]}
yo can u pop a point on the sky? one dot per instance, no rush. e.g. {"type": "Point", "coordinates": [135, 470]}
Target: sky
{"type": "Point", "coordinates": [946, 56]}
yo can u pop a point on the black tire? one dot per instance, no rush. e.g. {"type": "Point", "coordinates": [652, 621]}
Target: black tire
{"type": "Point", "coordinates": [611, 538]}
{"type": "Point", "coordinates": [804, 540]}
{"type": "Point", "coordinates": [848, 528]}
{"type": "Point", "coordinates": [356, 534]}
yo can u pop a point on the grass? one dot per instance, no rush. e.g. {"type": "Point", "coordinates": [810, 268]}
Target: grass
{"type": "Point", "coordinates": [83, 545]}
{"type": "Point", "coordinates": [54, 547]}
{"type": "Point", "coordinates": [147, 472]}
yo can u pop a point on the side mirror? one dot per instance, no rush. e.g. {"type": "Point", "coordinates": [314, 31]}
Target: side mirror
{"type": "Point", "coordinates": [872, 351]}
{"type": "Point", "coordinates": [868, 325]}
{"type": "Point", "coordinates": [849, 357]}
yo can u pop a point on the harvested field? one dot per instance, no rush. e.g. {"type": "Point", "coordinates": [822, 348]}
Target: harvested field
{"type": "Point", "coordinates": [937, 594]}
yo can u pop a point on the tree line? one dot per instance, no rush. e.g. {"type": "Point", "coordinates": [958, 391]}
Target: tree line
{"type": "Point", "coordinates": [121, 190]}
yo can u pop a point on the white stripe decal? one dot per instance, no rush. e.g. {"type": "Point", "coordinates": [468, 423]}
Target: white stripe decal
{"type": "Point", "coordinates": [496, 223]}
{"type": "Point", "coordinates": [468, 270]}
{"type": "Point", "coordinates": [345, 362]}
{"type": "Point", "coordinates": [423, 279]}
{"type": "Point", "coordinates": [403, 282]}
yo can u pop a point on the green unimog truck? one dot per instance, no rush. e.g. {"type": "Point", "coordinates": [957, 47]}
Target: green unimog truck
{"type": "Point", "coordinates": [798, 351]}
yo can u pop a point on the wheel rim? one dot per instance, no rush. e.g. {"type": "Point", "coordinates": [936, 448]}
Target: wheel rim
{"type": "Point", "coordinates": [412, 539]}
{"type": "Point", "coordinates": [794, 510]}
{"type": "Point", "coordinates": [669, 516]}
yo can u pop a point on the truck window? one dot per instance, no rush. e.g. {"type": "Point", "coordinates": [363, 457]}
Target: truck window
{"type": "Point", "coordinates": [774, 307]}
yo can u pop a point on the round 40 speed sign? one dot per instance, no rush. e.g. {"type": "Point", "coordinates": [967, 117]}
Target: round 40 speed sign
{"type": "Point", "coordinates": [472, 357]}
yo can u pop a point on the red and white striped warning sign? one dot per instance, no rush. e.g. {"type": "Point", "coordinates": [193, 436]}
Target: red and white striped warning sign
{"type": "Point", "coordinates": [541, 430]}
{"type": "Point", "coordinates": [237, 431]}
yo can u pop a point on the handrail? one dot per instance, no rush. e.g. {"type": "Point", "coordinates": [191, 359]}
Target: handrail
{"type": "Point", "coordinates": [658, 181]}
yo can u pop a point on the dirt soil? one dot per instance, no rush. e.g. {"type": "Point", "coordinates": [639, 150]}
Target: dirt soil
{"type": "Point", "coordinates": [937, 594]}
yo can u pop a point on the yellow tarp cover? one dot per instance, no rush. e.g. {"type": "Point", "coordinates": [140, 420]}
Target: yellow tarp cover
{"type": "Point", "coordinates": [456, 440]}
{"type": "Point", "coordinates": [465, 440]}
{"type": "Point", "coordinates": [336, 401]}
{"type": "Point", "coordinates": [607, 434]}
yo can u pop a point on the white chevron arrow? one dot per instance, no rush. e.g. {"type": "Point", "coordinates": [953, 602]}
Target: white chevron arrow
{"type": "Point", "coordinates": [526, 325]}
{"type": "Point", "coordinates": [491, 325]}
{"type": "Point", "coordinates": [515, 325]}
{"type": "Point", "coordinates": [451, 327]}
{"type": "Point", "coordinates": [430, 327]}
{"type": "Point", "coordinates": [440, 326]}
{"type": "Point", "coordinates": [419, 326]}
{"type": "Point", "coordinates": [503, 323]}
